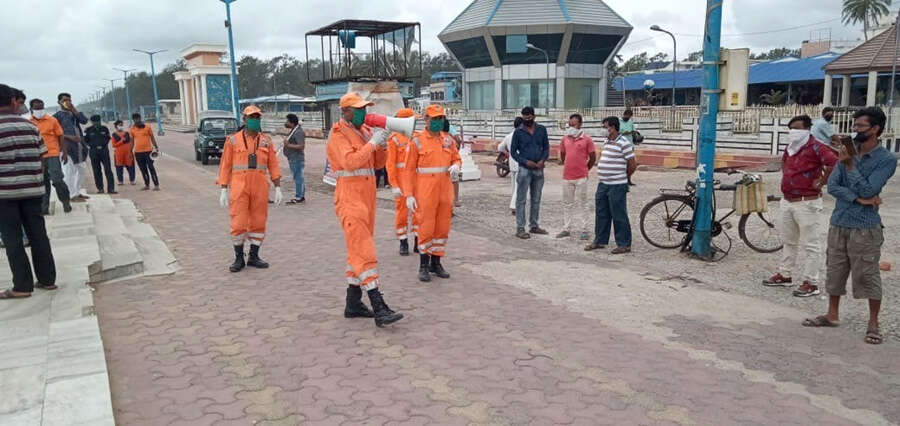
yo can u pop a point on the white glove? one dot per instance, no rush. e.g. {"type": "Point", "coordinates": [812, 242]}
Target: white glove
{"type": "Point", "coordinates": [279, 196]}
{"type": "Point", "coordinates": [223, 198]}
{"type": "Point", "coordinates": [454, 171]}
{"type": "Point", "coordinates": [411, 203]}
{"type": "Point", "coordinates": [379, 138]}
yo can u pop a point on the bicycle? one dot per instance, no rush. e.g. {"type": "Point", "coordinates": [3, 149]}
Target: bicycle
{"type": "Point", "coordinates": [666, 221]}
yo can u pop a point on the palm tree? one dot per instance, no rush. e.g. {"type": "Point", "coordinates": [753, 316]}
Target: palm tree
{"type": "Point", "coordinates": [865, 11]}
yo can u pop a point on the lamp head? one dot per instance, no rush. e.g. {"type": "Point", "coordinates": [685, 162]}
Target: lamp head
{"type": "Point", "coordinates": [656, 28]}
{"type": "Point", "coordinates": [530, 46]}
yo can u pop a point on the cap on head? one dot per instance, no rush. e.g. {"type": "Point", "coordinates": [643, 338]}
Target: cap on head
{"type": "Point", "coordinates": [434, 110]}
{"type": "Point", "coordinates": [353, 100]}
{"type": "Point", "coordinates": [252, 109]}
{"type": "Point", "coordinates": [95, 118]}
{"type": "Point", "coordinates": [406, 113]}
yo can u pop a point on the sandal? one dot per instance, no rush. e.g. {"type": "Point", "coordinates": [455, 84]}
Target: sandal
{"type": "Point", "coordinates": [874, 337]}
{"type": "Point", "coordinates": [820, 321]}
{"type": "Point", "coordinates": [8, 294]}
{"type": "Point", "coordinates": [594, 246]}
{"type": "Point", "coordinates": [46, 286]}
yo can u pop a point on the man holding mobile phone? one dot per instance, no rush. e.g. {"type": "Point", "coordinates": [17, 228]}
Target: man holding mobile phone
{"type": "Point", "coordinates": [856, 233]}
{"type": "Point", "coordinates": [75, 161]}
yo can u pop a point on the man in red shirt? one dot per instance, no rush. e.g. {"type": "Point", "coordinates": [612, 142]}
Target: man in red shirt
{"type": "Point", "coordinates": [577, 154]}
{"type": "Point", "coordinates": [806, 164]}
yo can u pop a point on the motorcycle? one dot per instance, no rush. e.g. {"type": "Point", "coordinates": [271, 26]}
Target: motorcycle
{"type": "Point", "coordinates": [502, 164]}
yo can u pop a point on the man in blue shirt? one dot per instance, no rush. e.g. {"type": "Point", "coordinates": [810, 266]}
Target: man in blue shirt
{"type": "Point", "coordinates": [530, 148]}
{"type": "Point", "coordinates": [855, 236]}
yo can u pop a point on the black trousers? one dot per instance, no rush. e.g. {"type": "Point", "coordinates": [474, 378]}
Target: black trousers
{"type": "Point", "coordinates": [14, 215]}
{"type": "Point", "coordinates": [145, 163]}
{"type": "Point", "coordinates": [121, 175]}
{"type": "Point", "coordinates": [100, 159]}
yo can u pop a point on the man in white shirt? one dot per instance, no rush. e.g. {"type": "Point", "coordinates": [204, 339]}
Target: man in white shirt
{"type": "Point", "coordinates": [617, 163]}
{"type": "Point", "coordinates": [513, 165]}
{"type": "Point", "coordinates": [822, 130]}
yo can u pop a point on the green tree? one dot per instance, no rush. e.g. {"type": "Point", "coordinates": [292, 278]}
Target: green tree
{"type": "Point", "coordinates": [635, 63]}
{"type": "Point", "coordinates": [865, 11]}
{"type": "Point", "coordinates": [778, 53]}
{"type": "Point", "coordinates": [695, 56]}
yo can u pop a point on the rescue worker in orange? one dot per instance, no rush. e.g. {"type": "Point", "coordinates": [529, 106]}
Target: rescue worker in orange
{"type": "Point", "coordinates": [354, 152]}
{"type": "Point", "coordinates": [431, 164]}
{"type": "Point", "coordinates": [121, 140]}
{"type": "Point", "coordinates": [397, 146]}
{"type": "Point", "coordinates": [246, 157]}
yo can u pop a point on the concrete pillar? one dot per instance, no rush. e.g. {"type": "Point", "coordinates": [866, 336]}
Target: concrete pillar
{"type": "Point", "coordinates": [872, 89]}
{"type": "Point", "coordinates": [826, 92]}
{"type": "Point", "coordinates": [560, 87]}
{"type": "Point", "coordinates": [182, 95]}
{"type": "Point", "coordinates": [845, 91]}
{"type": "Point", "coordinates": [498, 91]}
{"type": "Point", "coordinates": [203, 90]}
{"type": "Point", "coordinates": [198, 105]}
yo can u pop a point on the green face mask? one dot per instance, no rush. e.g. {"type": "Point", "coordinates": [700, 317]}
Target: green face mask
{"type": "Point", "coordinates": [437, 125]}
{"type": "Point", "coordinates": [254, 124]}
{"type": "Point", "coordinates": [359, 117]}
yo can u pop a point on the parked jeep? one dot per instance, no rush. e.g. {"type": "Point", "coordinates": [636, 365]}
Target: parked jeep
{"type": "Point", "coordinates": [213, 127]}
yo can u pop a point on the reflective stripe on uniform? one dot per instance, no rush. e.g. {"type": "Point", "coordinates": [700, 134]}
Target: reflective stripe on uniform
{"type": "Point", "coordinates": [353, 173]}
{"type": "Point", "coordinates": [244, 167]}
{"type": "Point", "coordinates": [367, 274]}
{"type": "Point", "coordinates": [400, 165]}
{"type": "Point", "coordinates": [418, 144]}
{"type": "Point", "coordinates": [255, 242]}
{"type": "Point", "coordinates": [371, 286]}
{"type": "Point", "coordinates": [238, 239]}
{"type": "Point", "coordinates": [431, 170]}
{"type": "Point", "coordinates": [352, 281]}
{"type": "Point", "coordinates": [437, 249]}
{"type": "Point", "coordinates": [256, 235]}
{"type": "Point", "coordinates": [437, 241]}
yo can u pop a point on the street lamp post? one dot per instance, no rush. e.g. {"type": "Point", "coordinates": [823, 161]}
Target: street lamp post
{"type": "Point", "coordinates": [234, 86]}
{"type": "Point", "coordinates": [127, 94]}
{"type": "Point", "coordinates": [101, 95]}
{"type": "Point", "coordinates": [112, 91]}
{"type": "Point", "coordinates": [552, 88]}
{"type": "Point", "coordinates": [674, 64]}
{"type": "Point", "coordinates": [155, 92]}
{"type": "Point", "coordinates": [893, 78]}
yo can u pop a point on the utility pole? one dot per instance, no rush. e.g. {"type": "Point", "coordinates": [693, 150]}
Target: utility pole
{"type": "Point", "coordinates": [127, 95]}
{"type": "Point", "coordinates": [709, 108]}
{"type": "Point", "coordinates": [890, 122]}
{"type": "Point", "coordinates": [155, 93]}
{"type": "Point", "coordinates": [112, 91]}
{"type": "Point", "coordinates": [234, 85]}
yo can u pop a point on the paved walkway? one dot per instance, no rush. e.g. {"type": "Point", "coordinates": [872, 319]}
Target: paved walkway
{"type": "Point", "coordinates": [516, 336]}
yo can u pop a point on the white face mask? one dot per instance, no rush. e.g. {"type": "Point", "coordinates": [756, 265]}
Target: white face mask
{"type": "Point", "coordinates": [38, 113]}
{"type": "Point", "coordinates": [573, 132]}
{"type": "Point", "coordinates": [119, 127]}
{"type": "Point", "coordinates": [798, 135]}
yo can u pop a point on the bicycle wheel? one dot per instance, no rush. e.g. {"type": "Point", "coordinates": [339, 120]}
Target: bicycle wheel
{"type": "Point", "coordinates": [660, 218]}
{"type": "Point", "coordinates": [760, 231]}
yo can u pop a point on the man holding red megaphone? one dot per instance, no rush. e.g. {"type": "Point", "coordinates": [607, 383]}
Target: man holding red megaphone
{"type": "Point", "coordinates": [354, 152]}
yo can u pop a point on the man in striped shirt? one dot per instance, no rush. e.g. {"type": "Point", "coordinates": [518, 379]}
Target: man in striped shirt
{"type": "Point", "coordinates": [617, 164]}
{"type": "Point", "coordinates": [21, 191]}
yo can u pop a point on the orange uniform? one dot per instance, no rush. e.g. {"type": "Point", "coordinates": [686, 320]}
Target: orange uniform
{"type": "Point", "coordinates": [248, 188]}
{"type": "Point", "coordinates": [354, 161]}
{"type": "Point", "coordinates": [428, 180]}
{"type": "Point", "coordinates": [140, 136]}
{"type": "Point", "coordinates": [397, 148]}
{"type": "Point", "coordinates": [50, 131]}
{"type": "Point", "coordinates": [121, 140]}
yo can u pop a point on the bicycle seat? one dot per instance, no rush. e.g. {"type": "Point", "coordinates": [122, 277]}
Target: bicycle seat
{"type": "Point", "coordinates": [727, 187]}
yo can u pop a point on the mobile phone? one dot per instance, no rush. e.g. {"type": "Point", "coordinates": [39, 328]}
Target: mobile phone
{"type": "Point", "coordinates": [848, 145]}
{"type": "Point", "coordinates": [251, 161]}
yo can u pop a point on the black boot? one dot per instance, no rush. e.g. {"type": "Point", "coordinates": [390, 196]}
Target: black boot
{"type": "Point", "coordinates": [404, 248]}
{"type": "Point", "coordinates": [254, 260]}
{"type": "Point", "coordinates": [416, 245]}
{"type": "Point", "coordinates": [424, 274]}
{"type": "Point", "coordinates": [383, 314]}
{"type": "Point", "coordinates": [238, 259]}
{"type": "Point", "coordinates": [437, 269]}
{"type": "Point", "coordinates": [355, 307]}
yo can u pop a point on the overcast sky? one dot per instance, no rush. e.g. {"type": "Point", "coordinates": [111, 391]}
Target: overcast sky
{"type": "Point", "coordinates": [61, 45]}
